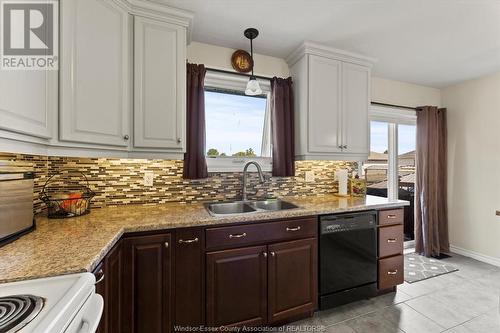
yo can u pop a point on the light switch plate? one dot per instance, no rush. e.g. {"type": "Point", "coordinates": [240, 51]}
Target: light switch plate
{"type": "Point", "coordinates": [148, 178]}
{"type": "Point", "coordinates": [309, 176]}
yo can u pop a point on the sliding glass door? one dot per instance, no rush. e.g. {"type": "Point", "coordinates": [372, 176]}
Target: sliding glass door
{"type": "Point", "coordinates": [390, 168]}
{"type": "Point", "coordinates": [375, 169]}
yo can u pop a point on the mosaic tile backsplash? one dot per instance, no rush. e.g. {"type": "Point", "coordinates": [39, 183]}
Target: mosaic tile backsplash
{"type": "Point", "coordinates": [120, 181]}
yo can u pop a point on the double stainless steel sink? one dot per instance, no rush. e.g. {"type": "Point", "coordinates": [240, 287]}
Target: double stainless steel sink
{"type": "Point", "coordinates": [246, 207]}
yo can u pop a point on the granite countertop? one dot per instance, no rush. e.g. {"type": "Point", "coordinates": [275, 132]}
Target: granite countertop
{"type": "Point", "coordinates": [78, 244]}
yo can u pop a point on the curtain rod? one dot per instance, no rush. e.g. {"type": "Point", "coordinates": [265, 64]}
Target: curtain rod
{"type": "Point", "coordinates": [395, 106]}
{"type": "Point", "coordinates": [236, 73]}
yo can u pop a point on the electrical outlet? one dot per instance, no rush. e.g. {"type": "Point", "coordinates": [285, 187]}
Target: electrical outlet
{"type": "Point", "coordinates": [309, 176]}
{"type": "Point", "coordinates": [148, 178]}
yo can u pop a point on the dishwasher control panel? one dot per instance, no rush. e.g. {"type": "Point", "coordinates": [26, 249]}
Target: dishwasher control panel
{"type": "Point", "coordinates": [346, 222]}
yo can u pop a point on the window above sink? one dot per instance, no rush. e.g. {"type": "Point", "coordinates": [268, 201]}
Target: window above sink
{"type": "Point", "coordinates": [238, 127]}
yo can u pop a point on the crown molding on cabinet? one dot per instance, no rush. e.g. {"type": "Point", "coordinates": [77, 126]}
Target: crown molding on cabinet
{"type": "Point", "coordinates": [160, 12]}
{"type": "Point", "coordinates": [328, 52]}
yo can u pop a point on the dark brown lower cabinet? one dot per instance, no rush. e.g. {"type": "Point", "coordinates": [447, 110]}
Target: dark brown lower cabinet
{"type": "Point", "coordinates": [109, 286]}
{"type": "Point", "coordinates": [113, 280]}
{"type": "Point", "coordinates": [262, 285]}
{"type": "Point", "coordinates": [236, 282]}
{"type": "Point", "coordinates": [292, 275]}
{"type": "Point", "coordinates": [390, 249]}
{"type": "Point", "coordinates": [147, 290]}
{"type": "Point", "coordinates": [189, 277]}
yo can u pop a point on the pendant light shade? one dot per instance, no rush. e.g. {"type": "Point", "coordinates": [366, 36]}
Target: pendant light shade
{"type": "Point", "coordinates": [253, 87]}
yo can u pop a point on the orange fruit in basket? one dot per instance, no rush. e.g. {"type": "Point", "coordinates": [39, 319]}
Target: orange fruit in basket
{"type": "Point", "coordinates": [73, 199]}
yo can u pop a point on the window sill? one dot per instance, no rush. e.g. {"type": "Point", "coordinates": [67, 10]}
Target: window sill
{"type": "Point", "coordinates": [236, 164]}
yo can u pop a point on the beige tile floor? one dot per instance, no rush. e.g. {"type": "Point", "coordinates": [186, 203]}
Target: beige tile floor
{"type": "Point", "coordinates": [466, 301]}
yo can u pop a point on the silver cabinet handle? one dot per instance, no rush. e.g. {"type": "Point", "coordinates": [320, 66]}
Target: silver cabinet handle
{"type": "Point", "coordinates": [126, 137]}
{"type": "Point", "coordinates": [293, 229]}
{"type": "Point", "coordinates": [340, 146]}
{"type": "Point", "coordinates": [273, 254]}
{"type": "Point", "coordinates": [394, 272]}
{"type": "Point", "coordinates": [264, 254]}
{"type": "Point", "coordinates": [188, 241]}
{"type": "Point", "coordinates": [344, 146]}
{"type": "Point", "coordinates": [391, 216]}
{"type": "Point", "coordinates": [101, 276]}
{"type": "Point", "coordinates": [238, 235]}
{"type": "Point", "coordinates": [392, 240]}
{"type": "Point", "coordinates": [166, 245]}
{"type": "Point", "coordinates": [179, 140]}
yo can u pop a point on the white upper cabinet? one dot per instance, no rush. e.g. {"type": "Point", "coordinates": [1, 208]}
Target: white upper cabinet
{"type": "Point", "coordinates": [324, 125]}
{"type": "Point", "coordinates": [159, 85]}
{"type": "Point", "coordinates": [95, 72]}
{"type": "Point", "coordinates": [120, 89]}
{"type": "Point", "coordinates": [355, 105]}
{"type": "Point", "coordinates": [332, 97]}
{"type": "Point", "coordinates": [28, 102]}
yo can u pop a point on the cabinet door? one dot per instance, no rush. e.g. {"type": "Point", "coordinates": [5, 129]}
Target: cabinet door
{"type": "Point", "coordinates": [324, 118]}
{"type": "Point", "coordinates": [94, 72]}
{"type": "Point", "coordinates": [189, 278]}
{"type": "Point", "coordinates": [292, 279]}
{"type": "Point", "coordinates": [159, 84]}
{"type": "Point", "coordinates": [113, 281]}
{"type": "Point", "coordinates": [28, 102]}
{"type": "Point", "coordinates": [237, 287]}
{"type": "Point", "coordinates": [147, 284]}
{"type": "Point", "coordinates": [355, 104]}
{"type": "Point", "coordinates": [109, 285]}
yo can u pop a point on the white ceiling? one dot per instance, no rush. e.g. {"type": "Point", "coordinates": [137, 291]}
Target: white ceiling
{"type": "Point", "coordinates": [430, 42]}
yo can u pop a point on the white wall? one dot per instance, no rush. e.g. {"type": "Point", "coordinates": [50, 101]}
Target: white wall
{"type": "Point", "coordinates": [474, 164]}
{"type": "Point", "coordinates": [220, 58]}
{"type": "Point", "coordinates": [402, 93]}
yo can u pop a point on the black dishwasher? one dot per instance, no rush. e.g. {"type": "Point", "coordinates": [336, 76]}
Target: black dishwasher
{"type": "Point", "coordinates": [347, 258]}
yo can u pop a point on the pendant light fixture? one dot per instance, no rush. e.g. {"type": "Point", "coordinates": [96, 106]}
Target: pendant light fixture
{"type": "Point", "coordinates": [253, 87]}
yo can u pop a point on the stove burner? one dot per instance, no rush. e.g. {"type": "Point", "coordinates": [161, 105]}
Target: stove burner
{"type": "Point", "coordinates": [17, 311]}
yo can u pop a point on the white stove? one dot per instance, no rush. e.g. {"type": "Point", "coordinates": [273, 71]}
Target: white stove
{"type": "Point", "coordinates": [62, 304]}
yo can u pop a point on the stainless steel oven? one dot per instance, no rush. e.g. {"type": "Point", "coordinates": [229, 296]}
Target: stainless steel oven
{"type": "Point", "coordinates": [347, 258]}
{"type": "Point", "coordinates": [16, 201]}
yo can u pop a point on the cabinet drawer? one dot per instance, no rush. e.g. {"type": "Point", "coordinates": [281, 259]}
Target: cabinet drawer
{"type": "Point", "coordinates": [390, 272]}
{"type": "Point", "coordinates": [393, 216]}
{"type": "Point", "coordinates": [390, 240]}
{"type": "Point", "coordinates": [261, 232]}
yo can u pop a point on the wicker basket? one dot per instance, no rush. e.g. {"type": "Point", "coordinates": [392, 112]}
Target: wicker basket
{"type": "Point", "coordinates": [67, 195]}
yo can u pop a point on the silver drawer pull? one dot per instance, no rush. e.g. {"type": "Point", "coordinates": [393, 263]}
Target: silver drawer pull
{"type": "Point", "coordinates": [166, 245]}
{"type": "Point", "coordinates": [273, 254]}
{"type": "Point", "coordinates": [101, 277]}
{"type": "Point", "coordinates": [264, 254]}
{"type": "Point", "coordinates": [188, 241]}
{"type": "Point", "coordinates": [392, 240]}
{"type": "Point", "coordinates": [394, 272]}
{"type": "Point", "coordinates": [293, 229]}
{"type": "Point", "coordinates": [392, 216]}
{"type": "Point", "coordinates": [238, 235]}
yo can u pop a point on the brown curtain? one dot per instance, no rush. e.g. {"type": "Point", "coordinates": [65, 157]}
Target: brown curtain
{"type": "Point", "coordinates": [195, 164]}
{"type": "Point", "coordinates": [282, 126]}
{"type": "Point", "coordinates": [431, 212]}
